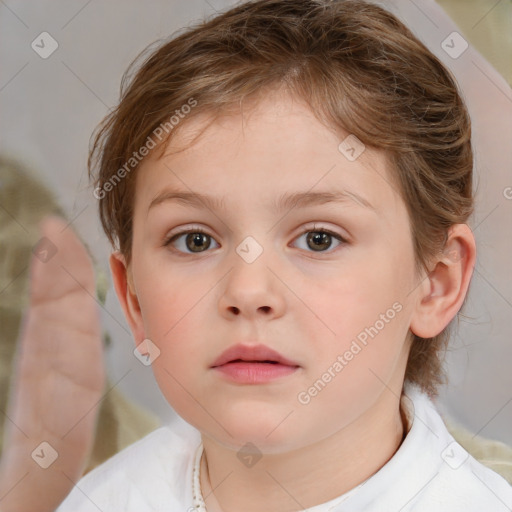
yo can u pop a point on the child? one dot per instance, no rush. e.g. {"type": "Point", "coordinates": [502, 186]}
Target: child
{"type": "Point", "coordinates": [287, 187]}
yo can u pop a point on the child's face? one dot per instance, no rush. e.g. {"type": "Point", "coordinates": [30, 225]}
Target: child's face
{"type": "Point", "coordinates": [309, 305]}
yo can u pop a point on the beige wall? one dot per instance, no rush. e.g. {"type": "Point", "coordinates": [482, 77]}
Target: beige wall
{"type": "Point", "coordinates": [487, 24]}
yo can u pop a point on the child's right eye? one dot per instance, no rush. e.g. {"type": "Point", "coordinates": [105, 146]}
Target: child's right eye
{"type": "Point", "coordinates": [195, 239]}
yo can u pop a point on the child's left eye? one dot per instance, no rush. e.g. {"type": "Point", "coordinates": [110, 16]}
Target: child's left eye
{"type": "Point", "coordinates": [318, 239]}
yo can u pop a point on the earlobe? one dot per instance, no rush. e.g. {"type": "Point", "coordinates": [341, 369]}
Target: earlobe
{"type": "Point", "coordinates": [125, 290]}
{"type": "Point", "coordinates": [442, 294]}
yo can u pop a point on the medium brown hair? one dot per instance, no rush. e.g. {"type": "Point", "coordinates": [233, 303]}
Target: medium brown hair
{"type": "Point", "coordinates": [356, 66]}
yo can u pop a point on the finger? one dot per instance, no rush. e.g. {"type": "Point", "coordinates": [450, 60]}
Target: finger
{"type": "Point", "coordinates": [62, 295]}
{"type": "Point", "coordinates": [59, 375]}
{"type": "Point", "coordinates": [59, 263]}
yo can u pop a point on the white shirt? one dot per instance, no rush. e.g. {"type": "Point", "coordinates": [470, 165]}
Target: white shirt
{"type": "Point", "coordinates": [430, 472]}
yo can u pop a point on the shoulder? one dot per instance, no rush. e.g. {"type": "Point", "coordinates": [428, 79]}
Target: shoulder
{"type": "Point", "coordinates": [147, 475]}
{"type": "Point", "coordinates": [465, 485]}
{"type": "Point", "coordinates": [457, 481]}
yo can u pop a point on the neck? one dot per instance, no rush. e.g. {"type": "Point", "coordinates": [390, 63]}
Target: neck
{"type": "Point", "coordinates": [290, 481]}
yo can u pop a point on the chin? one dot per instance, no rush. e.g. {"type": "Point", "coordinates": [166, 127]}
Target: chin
{"type": "Point", "coordinates": [262, 433]}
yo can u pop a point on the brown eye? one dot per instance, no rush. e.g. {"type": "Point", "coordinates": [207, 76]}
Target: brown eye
{"type": "Point", "coordinates": [197, 242]}
{"type": "Point", "coordinates": [319, 240]}
{"type": "Point", "coordinates": [189, 242]}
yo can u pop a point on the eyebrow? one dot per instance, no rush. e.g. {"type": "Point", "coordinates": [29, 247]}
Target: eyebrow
{"type": "Point", "coordinates": [304, 199]}
{"type": "Point", "coordinates": [284, 202]}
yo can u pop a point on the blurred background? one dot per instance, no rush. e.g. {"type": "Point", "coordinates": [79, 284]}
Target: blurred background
{"type": "Point", "coordinates": [53, 95]}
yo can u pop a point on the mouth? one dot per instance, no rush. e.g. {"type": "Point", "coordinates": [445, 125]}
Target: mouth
{"type": "Point", "coordinates": [258, 364]}
{"type": "Point", "coordinates": [252, 354]}
{"type": "Point", "coordinates": [243, 361]}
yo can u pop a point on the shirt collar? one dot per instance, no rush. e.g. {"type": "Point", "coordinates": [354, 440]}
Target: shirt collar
{"type": "Point", "coordinates": [416, 462]}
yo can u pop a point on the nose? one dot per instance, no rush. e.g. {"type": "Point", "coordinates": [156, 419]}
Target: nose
{"type": "Point", "coordinates": [251, 290]}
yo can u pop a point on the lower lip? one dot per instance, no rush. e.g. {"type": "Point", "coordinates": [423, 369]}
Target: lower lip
{"type": "Point", "coordinates": [255, 373]}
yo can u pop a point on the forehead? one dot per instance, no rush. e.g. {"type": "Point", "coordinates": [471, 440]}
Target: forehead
{"type": "Point", "coordinates": [275, 146]}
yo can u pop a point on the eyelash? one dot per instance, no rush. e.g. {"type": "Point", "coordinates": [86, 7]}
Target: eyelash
{"type": "Point", "coordinates": [342, 241]}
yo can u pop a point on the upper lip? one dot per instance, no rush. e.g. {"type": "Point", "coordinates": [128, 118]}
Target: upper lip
{"type": "Point", "coordinates": [251, 353]}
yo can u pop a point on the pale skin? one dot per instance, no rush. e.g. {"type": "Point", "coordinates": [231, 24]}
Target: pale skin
{"type": "Point", "coordinates": [58, 379]}
{"type": "Point", "coordinates": [308, 305]}
{"type": "Point", "coordinates": [194, 307]}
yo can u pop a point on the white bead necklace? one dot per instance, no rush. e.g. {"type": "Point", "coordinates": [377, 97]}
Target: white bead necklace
{"type": "Point", "coordinates": [197, 496]}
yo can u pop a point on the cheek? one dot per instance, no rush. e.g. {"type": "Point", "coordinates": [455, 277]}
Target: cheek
{"type": "Point", "coordinates": [176, 312]}
{"type": "Point", "coordinates": [361, 316]}
{"type": "Point", "coordinates": [179, 329]}
{"type": "Point", "coordinates": [169, 300]}
{"type": "Point", "coordinates": [176, 324]}
{"type": "Point", "coordinates": [345, 304]}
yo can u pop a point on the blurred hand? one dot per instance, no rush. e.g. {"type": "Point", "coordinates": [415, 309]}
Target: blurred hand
{"type": "Point", "coordinates": [59, 377]}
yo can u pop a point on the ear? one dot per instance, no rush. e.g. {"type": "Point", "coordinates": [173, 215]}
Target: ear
{"type": "Point", "coordinates": [442, 292]}
{"type": "Point", "coordinates": [125, 290]}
